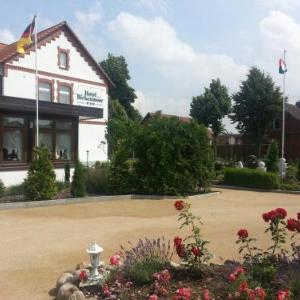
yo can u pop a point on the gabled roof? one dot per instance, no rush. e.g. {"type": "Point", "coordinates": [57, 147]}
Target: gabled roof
{"type": "Point", "coordinates": [293, 110]}
{"type": "Point", "coordinates": [165, 116]}
{"type": "Point", "coordinates": [9, 52]}
{"type": "Point", "coordinates": [2, 45]}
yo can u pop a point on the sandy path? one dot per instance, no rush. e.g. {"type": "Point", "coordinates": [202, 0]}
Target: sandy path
{"type": "Point", "coordinates": [37, 244]}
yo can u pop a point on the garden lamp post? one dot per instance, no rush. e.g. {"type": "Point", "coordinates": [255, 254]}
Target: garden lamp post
{"type": "Point", "coordinates": [231, 141]}
{"type": "Point", "coordinates": [94, 251]}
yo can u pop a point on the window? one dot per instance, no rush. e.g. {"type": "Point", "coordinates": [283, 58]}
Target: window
{"type": "Point", "coordinates": [64, 94]}
{"type": "Point", "coordinates": [45, 91]}
{"type": "Point", "coordinates": [63, 146]}
{"type": "Point", "coordinates": [276, 124]}
{"type": "Point", "coordinates": [13, 139]}
{"type": "Point", "coordinates": [63, 58]}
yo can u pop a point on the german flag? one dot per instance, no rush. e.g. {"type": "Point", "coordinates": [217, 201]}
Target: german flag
{"type": "Point", "coordinates": [26, 38]}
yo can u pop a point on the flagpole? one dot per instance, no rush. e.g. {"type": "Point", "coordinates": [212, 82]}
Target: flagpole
{"type": "Point", "coordinates": [283, 108]}
{"type": "Point", "coordinates": [36, 86]}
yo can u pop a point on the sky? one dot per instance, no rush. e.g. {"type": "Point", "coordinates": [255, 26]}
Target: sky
{"type": "Point", "coordinates": [174, 48]}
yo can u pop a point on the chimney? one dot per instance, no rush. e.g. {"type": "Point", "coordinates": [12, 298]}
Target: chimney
{"type": "Point", "coordinates": [298, 104]}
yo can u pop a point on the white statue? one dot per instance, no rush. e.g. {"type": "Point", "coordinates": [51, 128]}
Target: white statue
{"type": "Point", "coordinates": [262, 166]}
{"type": "Point", "coordinates": [240, 165]}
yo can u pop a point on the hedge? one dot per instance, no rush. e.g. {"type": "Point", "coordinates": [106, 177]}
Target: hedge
{"type": "Point", "coordinates": [251, 178]}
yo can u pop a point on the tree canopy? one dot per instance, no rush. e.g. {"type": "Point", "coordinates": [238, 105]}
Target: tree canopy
{"type": "Point", "coordinates": [117, 69]}
{"type": "Point", "coordinates": [256, 105]}
{"type": "Point", "coordinates": [212, 106]}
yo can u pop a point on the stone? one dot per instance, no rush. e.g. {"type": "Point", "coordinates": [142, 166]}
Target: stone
{"type": "Point", "coordinates": [77, 295]}
{"type": "Point", "coordinates": [65, 277]}
{"type": "Point", "coordinates": [65, 291]}
{"type": "Point", "coordinates": [82, 265]}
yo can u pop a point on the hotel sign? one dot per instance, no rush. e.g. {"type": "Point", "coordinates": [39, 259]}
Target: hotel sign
{"type": "Point", "coordinates": [90, 98]}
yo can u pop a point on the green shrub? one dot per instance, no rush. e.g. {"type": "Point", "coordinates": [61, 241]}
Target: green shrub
{"type": "Point", "coordinates": [141, 272]}
{"type": "Point", "coordinates": [272, 158]}
{"type": "Point", "coordinates": [13, 190]}
{"type": "Point", "coordinates": [40, 181]}
{"type": "Point", "coordinates": [145, 259]}
{"type": "Point", "coordinates": [2, 188]}
{"type": "Point", "coordinates": [290, 186]}
{"type": "Point", "coordinates": [67, 172]}
{"type": "Point", "coordinates": [97, 179]}
{"type": "Point", "coordinates": [78, 188]}
{"type": "Point", "coordinates": [251, 178]}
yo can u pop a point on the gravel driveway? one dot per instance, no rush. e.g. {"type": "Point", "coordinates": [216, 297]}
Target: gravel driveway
{"type": "Point", "coordinates": [37, 244]}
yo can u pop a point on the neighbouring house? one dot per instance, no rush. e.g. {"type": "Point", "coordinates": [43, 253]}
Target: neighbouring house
{"type": "Point", "coordinates": [239, 147]}
{"type": "Point", "coordinates": [151, 115]}
{"type": "Point", "coordinates": [73, 103]}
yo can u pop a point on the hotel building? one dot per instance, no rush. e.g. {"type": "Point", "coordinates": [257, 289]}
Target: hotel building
{"type": "Point", "coordinates": [73, 103]}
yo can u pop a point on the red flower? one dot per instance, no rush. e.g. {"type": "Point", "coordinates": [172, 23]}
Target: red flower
{"type": "Point", "coordinates": [115, 260]}
{"type": "Point", "coordinates": [281, 212]}
{"type": "Point", "coordinates": [83, 276]}
{"type": "Point", "coordinates": [106, 290]}
{"type": "Point", "coordinates": [243, 286]}
{"type": "Point", "coordinates": [177, 241]}
{"type": "Point", "coordinates": [179, 204]}
{"type": "Point", "coordinates": [196, 251]}
{"type": "Point", "coordinates": [206, 295]}
{"type": "Point", "coordinates": [180, 250]}
{"type": "Point", "coordinates": [266, 217]}
{"type": "Point", "coordinates": [260, 293]}
{"type": "Point", "coordinates": [243, 234]}
{"type": "Point", "coordinates": [153, 297]}
{"type": "Point", "coordinates": [283, 295]}
{"type": "Point", "coordinates": [292, 224]}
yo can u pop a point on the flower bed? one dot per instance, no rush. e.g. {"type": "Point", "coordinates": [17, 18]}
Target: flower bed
{"type": "Point", "coordinates": [146, 271]}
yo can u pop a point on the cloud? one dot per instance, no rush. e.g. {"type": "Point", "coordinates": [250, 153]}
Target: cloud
{"type": "Point", "coordinates": [86, 26]}
{"type": "Point", "coordinates": [6, 36]}
{"type": "Point", "coordinates": [181, 72]}
{"type": "Point", "coordinates": [278, 32]}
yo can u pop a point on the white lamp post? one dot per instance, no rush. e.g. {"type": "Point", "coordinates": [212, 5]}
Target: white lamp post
{"type": "Point", "coordinates": [94, 252]}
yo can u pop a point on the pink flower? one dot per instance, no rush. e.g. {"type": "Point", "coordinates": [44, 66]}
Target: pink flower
{"type": "Point", "coordinates": [115, 260]}
{"type": "Point", "coordinates": [153, 297]}
{"type": "Point", "coordinates": [293, 225]}
{"type": "Point", "coordinates": [283, 295]}
{"type": "Point", "coordinates": [260, 293]}
{"type": "Point", "coordinates": [206, 295]}
{"type": "Point", "coordinates": [243, 286]}
{"type": "Point", "coordinates": [232, 277]}
{"type": "Point", "coordinates": [184, 294]}
{"type": "Point", "coordinates": [105, 290]}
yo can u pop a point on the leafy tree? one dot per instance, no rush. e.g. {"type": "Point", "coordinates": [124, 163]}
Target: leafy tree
{"type": "Point", "coordinates": [40, 181]}
{"type": "Point", "coordinates": [272, 158]}
{"type": "Point", "coordinates": [256, 105]}
{"type": "Point", "coordinates": [212, 106]}
{"type": "Point", "coordinates": [170, 157]}
{"type": "Point", "coordinates": [117, 69]}
{"type": "Point", "coordinates": [78, 187]}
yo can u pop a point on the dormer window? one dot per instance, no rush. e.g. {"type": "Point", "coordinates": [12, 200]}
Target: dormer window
{"type": "Point", "coordinates": [63, 58]}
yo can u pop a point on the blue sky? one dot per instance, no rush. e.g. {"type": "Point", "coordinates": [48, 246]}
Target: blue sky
{"type": "Point", "coordinates": [175, 47]}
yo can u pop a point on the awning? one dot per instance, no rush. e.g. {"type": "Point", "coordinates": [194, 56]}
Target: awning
{"type": "Point", "coordinates": [22, 105]}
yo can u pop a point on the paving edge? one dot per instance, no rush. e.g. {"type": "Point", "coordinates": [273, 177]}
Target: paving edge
{"type": "Point", "coordinates": [232, 187]}
{"type": "Point", "coordinates": [91, 199]}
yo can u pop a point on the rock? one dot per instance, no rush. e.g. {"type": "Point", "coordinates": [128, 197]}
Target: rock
{"type": "Point", "coordinates": [65, 277]}
{"type": "Point", "coordinates": [77, 295]}
{"type": "Point", "coordinates": [82, 265]}
{"type": "Point", "coordinates": [65, 291]}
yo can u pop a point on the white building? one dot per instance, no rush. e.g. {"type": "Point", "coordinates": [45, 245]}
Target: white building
{"type": "Point", "coordinates": [73, 103]}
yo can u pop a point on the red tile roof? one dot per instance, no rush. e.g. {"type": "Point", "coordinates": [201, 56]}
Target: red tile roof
{"type": "Point", "coordinates": [2, 45]}
{"type": "Point", "coordinates": [9, 52]}
{"type": "Point", "coordinates": [293, 110]}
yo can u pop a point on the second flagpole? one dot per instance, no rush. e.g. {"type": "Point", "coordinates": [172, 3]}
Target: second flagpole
{"type": "Point", "coordinates": [283, 108]}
